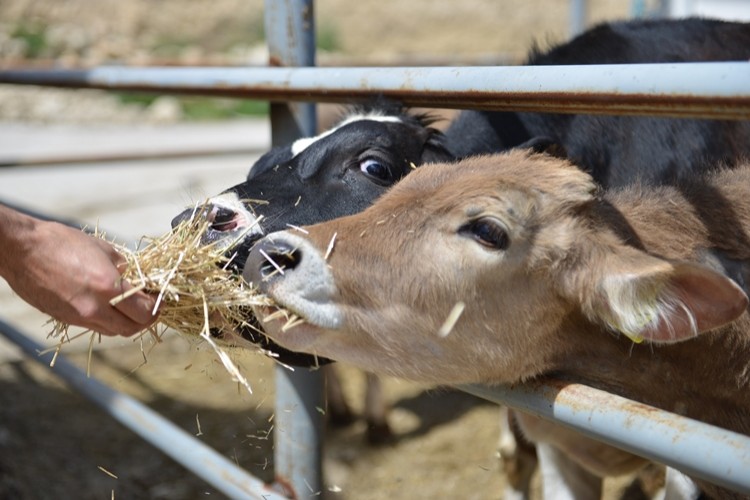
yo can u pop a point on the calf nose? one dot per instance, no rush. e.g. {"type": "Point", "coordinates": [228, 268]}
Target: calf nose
{"type": "Point", "coordinates": [294, 273]}
{"type": "Point", "coordinates": [269, 258]}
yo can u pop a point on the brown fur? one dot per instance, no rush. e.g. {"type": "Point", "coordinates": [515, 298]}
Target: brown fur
{"type": "Point", "coordinates": [545, 304]}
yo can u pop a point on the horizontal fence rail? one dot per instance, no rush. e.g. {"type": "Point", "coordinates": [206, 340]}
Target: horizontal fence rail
{"type": "Point", "coordinates": [706, 90]}
{"type": "Point", "coordinates": [692, 447]}
{"type": "Point", "coordinates": [717, 90]}
{"type": "Point", "coordinates": [200, 459]}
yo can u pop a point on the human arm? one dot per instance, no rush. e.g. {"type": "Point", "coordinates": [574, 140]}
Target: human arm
{"type": "Point", "coordinates": [69, 275]}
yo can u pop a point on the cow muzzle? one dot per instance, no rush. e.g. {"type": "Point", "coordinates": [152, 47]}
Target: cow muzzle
{"type": "Point", "coordinates": [227, 223]}
{"type": "Point", "coordinates": [292, 272]}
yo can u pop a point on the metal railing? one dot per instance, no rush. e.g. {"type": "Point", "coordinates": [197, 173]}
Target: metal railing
{"type": "Point", "coordinates": [706, 90]}
{"type": "Point", "coordinates": [700, 90]}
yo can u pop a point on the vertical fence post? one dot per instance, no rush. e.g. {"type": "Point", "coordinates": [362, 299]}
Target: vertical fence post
{"type": "Point", "coordinates": [299, 394]}
{"type": "Point", "coordinates": [578, 17]}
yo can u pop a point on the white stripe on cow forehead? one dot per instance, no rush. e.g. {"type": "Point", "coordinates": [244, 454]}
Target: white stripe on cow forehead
{"type": "Point", "coordinates": [301, 144]}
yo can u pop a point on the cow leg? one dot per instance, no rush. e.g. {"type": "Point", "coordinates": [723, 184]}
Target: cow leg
{"type": "Point", "coordinates": [562, 479]}
{"type": "Point", "coordinates": [517, 457]}
{"type": "Point", "coordinates": [378, 431]}
{"type": "Point", "coordinates": [338, 411]}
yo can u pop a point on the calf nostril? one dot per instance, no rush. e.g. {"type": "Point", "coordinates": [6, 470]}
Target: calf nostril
{"type": "Point", "coordinates": [222, 219]}
{"type": "Point", "coordinates": [278, 260]}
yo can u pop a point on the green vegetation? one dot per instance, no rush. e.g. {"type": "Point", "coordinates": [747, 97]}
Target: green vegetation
{"type": "Point", "coordinates": [35, 37]}
{"type": "Point", "coordinates": [327, 38]}
{"type": "Point", "coordinates": [207, 108]}
{"type": "Point", "coordinates": [203, 108]}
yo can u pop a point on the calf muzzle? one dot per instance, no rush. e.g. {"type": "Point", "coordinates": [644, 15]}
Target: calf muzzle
{"type": "Point", "coordinates": [294, 273]}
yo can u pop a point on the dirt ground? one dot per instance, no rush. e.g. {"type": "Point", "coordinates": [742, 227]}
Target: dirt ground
{"type": "Point", "coordinates": [55, 444]}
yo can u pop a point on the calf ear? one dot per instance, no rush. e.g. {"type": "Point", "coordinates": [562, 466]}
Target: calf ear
{"type": "Point", "coordinates": [649, 298]}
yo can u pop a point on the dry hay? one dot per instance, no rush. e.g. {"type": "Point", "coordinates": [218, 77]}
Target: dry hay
{"type": "Point", "coordinates": [198, 295]}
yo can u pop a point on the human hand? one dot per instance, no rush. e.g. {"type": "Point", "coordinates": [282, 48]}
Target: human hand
{"type": "Point", "coordinates": [72, 277]}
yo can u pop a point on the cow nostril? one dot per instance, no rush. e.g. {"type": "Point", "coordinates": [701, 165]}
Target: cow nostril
{"type": "Point", "coordinates": [278, 261]}
{"type": "Point", "coordinates": [223, 219]}
{"type": "Point", "coordinates": [184, 216]}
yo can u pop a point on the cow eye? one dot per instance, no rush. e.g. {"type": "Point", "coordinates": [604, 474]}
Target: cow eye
{"type": "Point", "coordinates": [377, 169]}
{"type": "Point", "coordinates": [488, 232]}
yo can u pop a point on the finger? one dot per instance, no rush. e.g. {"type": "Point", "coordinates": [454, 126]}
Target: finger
{"type": "Point", "coordinates": [139, 308]}
{"type": "Point", "coordinates": [119, 260]}
{"type": "Point", "coordinates": [112, 322]}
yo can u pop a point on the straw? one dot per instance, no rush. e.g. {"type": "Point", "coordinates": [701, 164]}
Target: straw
{"type": "Point", "coordinates": [198, 295]}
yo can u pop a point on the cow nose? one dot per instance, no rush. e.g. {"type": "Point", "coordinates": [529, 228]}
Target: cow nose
{"type": "Point", "coordinates": [294, 273]}
{"type": "Point", "coordinates": [277, 257]}
{"type": "Point", "coordinates": [220, 219]}
{"type": "Point", "coordinates": [184, 216]}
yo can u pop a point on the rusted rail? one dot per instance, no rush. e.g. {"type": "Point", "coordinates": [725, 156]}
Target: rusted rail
{"type": "Point", "coordinates": [695, 448]}
{"type": "Point", "coordinates": [700, 90]}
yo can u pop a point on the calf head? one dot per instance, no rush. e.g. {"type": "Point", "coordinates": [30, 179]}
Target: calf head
{"type": "Point", "coordinates": [475, 271]}
{"type": "Point", "coordinates": [336, 173]}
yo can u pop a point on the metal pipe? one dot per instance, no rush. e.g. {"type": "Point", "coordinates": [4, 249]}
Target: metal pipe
{"type": "Point", "coordinates": [298, 430]}
{"type": "Point", "coordinates": [123, 156]}
{"type": "Point", "coordinates": [195, 456]}
{"type": "Point", "coordinates": [694, 448]}
{"type": "Point", "coordinates": [579, 10]}
{"type": "Point", "coordinates": [707, 90]}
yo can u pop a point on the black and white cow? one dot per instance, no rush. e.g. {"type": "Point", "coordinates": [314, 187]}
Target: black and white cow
{"type": "Point", "coordinates": [615, 150]}
{"type": "Point", "coordinates": [343, 170]}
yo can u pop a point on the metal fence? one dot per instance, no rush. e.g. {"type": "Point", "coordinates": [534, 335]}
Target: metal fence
{"type": "Point", "coordinates": [705, 90]}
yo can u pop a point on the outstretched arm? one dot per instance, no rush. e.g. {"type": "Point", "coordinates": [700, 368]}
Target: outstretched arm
{"type": "Point", "coordinates": [69, 275]}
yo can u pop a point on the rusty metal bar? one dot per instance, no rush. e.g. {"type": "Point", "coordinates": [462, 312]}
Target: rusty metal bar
{"type": "Point", "coordinates": [62, 159]}
{"type": "Point", "coordinates": [202, 460]}
{"type": "Point", "coordinates": [694, 448]}
{"type": "Point", "coordinates": [704, 90]}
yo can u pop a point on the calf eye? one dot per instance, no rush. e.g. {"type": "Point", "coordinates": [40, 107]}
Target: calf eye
{"type": "Point", "coordinates": [488, 232]}
{"type": "Point", "coordinates": [376, 169]}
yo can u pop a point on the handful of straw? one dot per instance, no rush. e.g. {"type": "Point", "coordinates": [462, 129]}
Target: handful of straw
{"type": "Point", "coordinates": [195, 288]}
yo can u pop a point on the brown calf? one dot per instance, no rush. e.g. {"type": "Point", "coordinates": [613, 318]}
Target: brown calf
{"type": "Point", "coordinates": [510, 267]}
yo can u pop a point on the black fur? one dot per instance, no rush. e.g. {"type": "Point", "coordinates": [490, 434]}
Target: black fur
{"type": "Point", "coordinates": [619, 149]}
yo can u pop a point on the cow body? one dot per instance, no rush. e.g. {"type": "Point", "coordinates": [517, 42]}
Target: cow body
{"type": "Point", "coordinates": [630, 293]}
{"type": "Point", "coordinates": [616, 150]}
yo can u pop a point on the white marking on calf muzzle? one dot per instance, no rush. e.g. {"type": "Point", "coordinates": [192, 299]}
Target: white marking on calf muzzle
{"type": "Point", "coordinates": [308, 288]}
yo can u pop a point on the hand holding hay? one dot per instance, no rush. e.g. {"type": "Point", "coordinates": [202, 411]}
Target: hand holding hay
{"type": "Point", "coordinates": [195, 288]}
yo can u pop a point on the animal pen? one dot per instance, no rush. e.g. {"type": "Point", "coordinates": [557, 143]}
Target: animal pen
{"type": "Point", "coordinates": [291, 83]}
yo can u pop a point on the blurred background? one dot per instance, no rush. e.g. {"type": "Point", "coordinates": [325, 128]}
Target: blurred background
{"type": "Point", "coordinates": [71, 153]}
{"type": "Point", "coordinates": [75, 33]}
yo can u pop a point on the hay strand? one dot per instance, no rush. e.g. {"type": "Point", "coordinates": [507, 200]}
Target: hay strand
{"type": "Point", "coordinates": [451, 320]}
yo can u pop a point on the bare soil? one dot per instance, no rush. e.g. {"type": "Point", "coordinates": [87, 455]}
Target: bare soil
{"type": "Point", "coordinates": [56, 444]}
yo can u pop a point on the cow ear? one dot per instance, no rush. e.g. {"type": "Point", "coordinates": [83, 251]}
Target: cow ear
{"type": "Point", "coordinates": [545, 145]}
{"type": "Point", "coordinates": [646, 298]}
